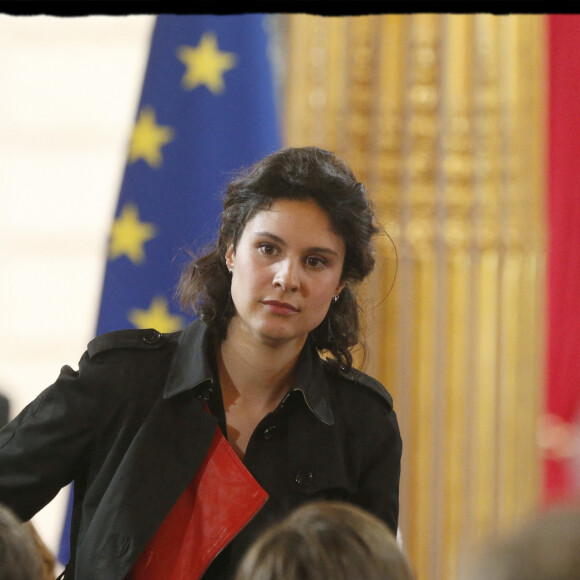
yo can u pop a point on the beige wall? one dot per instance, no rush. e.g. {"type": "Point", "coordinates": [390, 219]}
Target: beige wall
{"type": "Point", "coordinates": [69, 88]}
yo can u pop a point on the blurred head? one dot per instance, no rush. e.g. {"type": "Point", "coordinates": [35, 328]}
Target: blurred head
{"type": "Point", "coordinates": [326, 540]}
{"type": "Point", "coordinates": [547, 547]}
{"type": "Point", "coordinates": [301, 174]}
{"type": "Point", "coordinates": [19, 555]}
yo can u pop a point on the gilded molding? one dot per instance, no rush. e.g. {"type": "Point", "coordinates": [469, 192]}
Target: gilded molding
{"type": "Point", "coordinates": [440, 115]}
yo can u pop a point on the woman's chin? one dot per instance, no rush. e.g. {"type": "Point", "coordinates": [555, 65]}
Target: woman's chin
{"type": "Point", "coordinates": [277, 334]}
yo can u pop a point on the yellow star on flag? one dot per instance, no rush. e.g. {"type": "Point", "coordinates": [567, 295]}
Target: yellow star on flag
{"type": "Point", "coordinates": [148, 137]}
{"type": "Point", "coordinates": [157, 317]}
{"type": "Point", "coordinates": [206, 64]}
{"type": "Point", "coordinates": [129, 234]}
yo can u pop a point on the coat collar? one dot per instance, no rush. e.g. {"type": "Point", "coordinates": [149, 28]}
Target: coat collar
{"type": "Point", "coordinates": [191, 368]}
{"type": "Point", "coordinates": [312, 382]}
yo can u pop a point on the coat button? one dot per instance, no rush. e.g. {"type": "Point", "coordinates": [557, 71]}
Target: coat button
{"type": "Point", "coordinates": [304, 478]}
{"type": "Point", "coordinates": [269, 432]}
{"type": "Point", "coordinates": [204, 394]}
{"type": "Point", "coordinates": [151, 338]}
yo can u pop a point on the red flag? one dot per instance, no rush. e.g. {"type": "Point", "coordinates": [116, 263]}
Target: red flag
{"type": "Point", "coordinates": [563, 361]}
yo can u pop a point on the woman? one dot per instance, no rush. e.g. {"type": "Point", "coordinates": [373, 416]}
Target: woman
{"type": "Point", "coordinates": [326, 539]}
{"type": "Point", "coordinates": [141, 427]}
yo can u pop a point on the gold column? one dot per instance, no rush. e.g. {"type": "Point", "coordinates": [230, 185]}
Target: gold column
{"type": "Point", "coordinates": [441, 116]}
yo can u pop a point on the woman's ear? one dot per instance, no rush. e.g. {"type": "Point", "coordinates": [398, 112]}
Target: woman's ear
{"type": "Point", "coordinates": [340, 286]}
{"type": "Point", "coordinates": [230, 257]}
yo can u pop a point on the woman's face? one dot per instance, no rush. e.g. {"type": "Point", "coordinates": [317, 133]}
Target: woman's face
{"type": "Point", "coordinates": [286, 269]}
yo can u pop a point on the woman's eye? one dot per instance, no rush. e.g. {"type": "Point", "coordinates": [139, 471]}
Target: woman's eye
{"type": "Point", "coordinates": [315, 262]}
{"type": "Point", "coordinates": [267, 249]}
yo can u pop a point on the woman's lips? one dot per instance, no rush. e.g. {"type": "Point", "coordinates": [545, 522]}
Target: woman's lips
{"type": "Point", "coordinates": [281, 308]}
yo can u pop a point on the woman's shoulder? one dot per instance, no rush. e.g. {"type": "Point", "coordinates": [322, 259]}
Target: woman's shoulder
{"type": "Point", "coordinates": [131, 358]}
{"type": "Point", "coordinates": [358, 381]}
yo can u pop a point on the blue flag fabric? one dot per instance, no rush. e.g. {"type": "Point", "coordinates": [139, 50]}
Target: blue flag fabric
{"type": "Point", "coordinates": [207, 108]}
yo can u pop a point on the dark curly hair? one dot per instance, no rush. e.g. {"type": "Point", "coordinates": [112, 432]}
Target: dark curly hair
{"type": "Point", "coordinates": [304, 173]}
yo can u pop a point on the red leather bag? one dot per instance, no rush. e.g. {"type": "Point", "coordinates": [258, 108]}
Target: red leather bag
{"type": "Point", "coordinates": [222, 498]}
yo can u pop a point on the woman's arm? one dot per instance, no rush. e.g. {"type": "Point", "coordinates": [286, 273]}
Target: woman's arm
{"type": "Point", "coordinates": [41, 448]}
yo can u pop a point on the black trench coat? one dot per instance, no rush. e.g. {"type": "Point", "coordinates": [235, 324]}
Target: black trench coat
{"type": "Point", "coordinates": [130, 429]}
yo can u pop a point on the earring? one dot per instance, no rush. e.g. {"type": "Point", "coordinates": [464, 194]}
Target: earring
{"type": "Point", "coordinates": [336, 297]}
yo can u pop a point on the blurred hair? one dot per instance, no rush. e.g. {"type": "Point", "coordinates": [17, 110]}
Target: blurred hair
{"type": "Point", "coordinates": [326, 539]}
{"type": "Point", "coordinates": [546, 547]}
{"type": "Point", "coordinates": [19, 555]}
{"type": "Point", "coordinates": [305, 173]}
{"type": "Point", "coordinates": [47, 559]}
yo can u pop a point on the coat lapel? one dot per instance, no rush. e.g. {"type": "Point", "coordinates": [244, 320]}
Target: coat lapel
{"type": "Point", "coordinates": [161, 461]}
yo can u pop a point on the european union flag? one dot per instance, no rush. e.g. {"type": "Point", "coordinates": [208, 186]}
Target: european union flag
{"type": "Point", "coordinates": [207, 108]}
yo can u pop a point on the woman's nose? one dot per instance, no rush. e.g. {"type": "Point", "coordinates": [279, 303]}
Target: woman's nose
{"type": "Point", "coordinates": [287, 276]}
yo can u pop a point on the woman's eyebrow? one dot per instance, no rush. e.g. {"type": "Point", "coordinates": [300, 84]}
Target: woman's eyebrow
{"type": "Point", "coordinates": [271, 236]}
{"type": "Point", "coordinates": [281, 242]}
